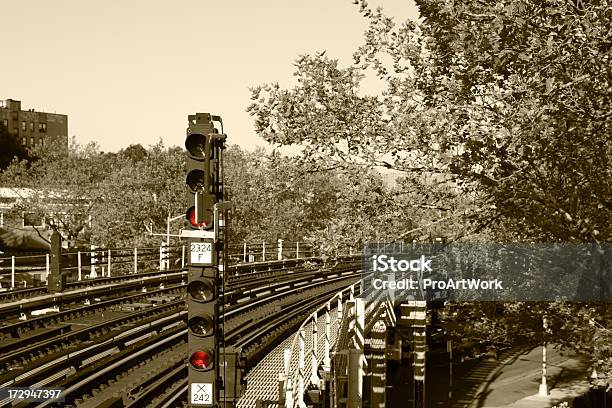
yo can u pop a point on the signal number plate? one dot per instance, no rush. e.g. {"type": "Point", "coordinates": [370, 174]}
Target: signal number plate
{"type": "Point", "coordinates": [201, 253]}
{"type": "Point", "coordinates": [201, 394]}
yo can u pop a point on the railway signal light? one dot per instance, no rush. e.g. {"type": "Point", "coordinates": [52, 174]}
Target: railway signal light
{"type": "Point", "coordinates": [201, 359]}
{"type": "Point", "coordinates": [202, 289]}
{"type": "Point", "coordinates": [206, 352]}
{"type": "Point", "coordinates": [201, 214]}
{"type": "Point", "coordinates": [203, 331]}
{"type": "Point", "coordinates": [201, 325]}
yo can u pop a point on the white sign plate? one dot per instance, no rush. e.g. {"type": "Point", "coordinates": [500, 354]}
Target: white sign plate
{"type": "Point", "coordinates": [201, 394]}
{"type": "Point", "coordinates": [201, 253]}
{"type": "Point", "coordinates": [197, 234]}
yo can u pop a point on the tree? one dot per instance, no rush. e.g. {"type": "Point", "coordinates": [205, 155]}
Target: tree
{"type": "Point", "coordinates": [516, 112]}
{"type": "Point", "coordinates": [59, 187]}
{"type": "Point", "coordinates": [139, 194]}
{"type": "Point", "coordinates": [93, 197]}
{"type": "Point", "coordinates": [134, 152]}
{"type": "Point", "coordinates": [501, 110]}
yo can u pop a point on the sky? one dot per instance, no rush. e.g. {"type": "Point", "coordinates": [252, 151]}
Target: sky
{"type": "Point", "coordinates": [130, 72]}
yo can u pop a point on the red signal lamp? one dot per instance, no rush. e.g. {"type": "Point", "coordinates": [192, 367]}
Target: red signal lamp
{"type": "Point", "coordinates": [191, 217]}
{"type": "Point", "coordinates": [201, 360]}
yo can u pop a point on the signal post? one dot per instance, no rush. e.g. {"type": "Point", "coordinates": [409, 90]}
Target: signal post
{"type": "Point", "coordinates": [206, 243]}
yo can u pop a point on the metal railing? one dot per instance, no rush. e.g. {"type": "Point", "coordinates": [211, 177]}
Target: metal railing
{"type": "Point", "coordinates": [249, 252]}
{"type": "Point", "coordinates": [18, 272]}
{"type": "Point", "coordinates": [341, 352]}
{"type": "Point", "coordinates": [306, 347]}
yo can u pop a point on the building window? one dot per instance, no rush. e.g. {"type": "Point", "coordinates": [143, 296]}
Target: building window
{"type": "Point", "coordinates": [32, 142]}
{"type": "Point", "coordinates": [41, 141]}
{"type": "Point", "coordinates": [23, 126]}
{"type": "Point", "coordinates": [31, 126]}
{"type": "Point", "coordinates": [24, 140]}
{"type": "Point", "coordinates": [5, 122]}
{"type": "Point", "coordinates": [31, 219]}
{"type": "Point", "coordinates": [42, 127]}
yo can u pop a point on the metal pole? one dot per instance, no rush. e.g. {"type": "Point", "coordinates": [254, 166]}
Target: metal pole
{"type": "Point", "coordinates": [297, 250]}
{"type": "Point", "coordinates": [289, 394]}
{"type": "Point", "coordinates": [109, 263]}
{"type": "Point", "coordinates": [79, 265]}
{"type": "Point", "coordinates": [92, 272]}
{"type": "Point", "coordinates": [287, 361]}
{"type": "Point", "coordinates": [244, 252]}
{"type": "Point", "coordinates": [359, 315]}
{"type": "Point", "coordinates": [280, 249]}
{"type": "Point", "coordinates": [263, 251]}
{"type": "Point", "coordinates": [543, 392]}
{"type": "Point", "coordinates": [354, 379]}
{"type": "Point", "coordinates": [135, 260]}
{"type": "Point", "coordinates": [326, 355]}
{"type": "Point", "coordinates": [314, 377]}
{"type": "Point", "coordinates": [301, 373]}
{"type": "Point", "coordinates": [285, 393]}
{"type": "Point", "coordinates": [168, 229]}
{"type": "Point", "coordinates": [449, 348]}
{"type": "Point", "coordinates": [355, 373]}
{"type": "Point", "coordinates": [47, 267]}
{"type": "Point", "coordinates": [281, 389]}
{"type": "Point", "coordinates": [13, 272]}
{"type": "Point", "coordinates": [182, 256]}
{"type": "Point", "coordinates": [161, 256]}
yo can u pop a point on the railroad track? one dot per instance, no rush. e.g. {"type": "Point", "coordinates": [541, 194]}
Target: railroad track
{"type": "Point", "coordinates": [248, 313]}
{"type": "Point", "coordinates": [147, 388]}
{"type": "Point", "coordinates": [244, 273]}
{"type": "Point", "coordinates": [256, 339]}
{"type": "Point", "coordinates": [26, 293]}
{"type": "Point", "coordinates": [65, 299]}
{"type": "Point", "coordinates": [237, 286]}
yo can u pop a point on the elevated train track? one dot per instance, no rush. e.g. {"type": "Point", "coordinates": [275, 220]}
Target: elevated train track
{"type": "Point", "coordinates": [251, 272]}
{"type": "Point", "coordinates": [261, 302]}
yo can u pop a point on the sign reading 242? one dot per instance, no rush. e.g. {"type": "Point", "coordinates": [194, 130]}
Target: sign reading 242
{"type": "Point", "coordinates": [201, 394]}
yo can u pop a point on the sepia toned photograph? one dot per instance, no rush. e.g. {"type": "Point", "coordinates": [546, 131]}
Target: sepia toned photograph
{"type": "Point", "coordinates": [323, 204]}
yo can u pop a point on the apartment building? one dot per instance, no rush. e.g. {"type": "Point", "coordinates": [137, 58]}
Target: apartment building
{"type": "Point", "coordinates": [30, 127]}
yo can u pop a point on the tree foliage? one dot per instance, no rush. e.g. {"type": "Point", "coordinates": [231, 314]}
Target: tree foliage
{"type": "Point", "coordinates": [510, 100]}
{"type": "Point", "coordinates": [59, 187]}
{"type": "Point", "coordinates": [500, 115]}
{"type": "Point", "coordinates": [276, 197]}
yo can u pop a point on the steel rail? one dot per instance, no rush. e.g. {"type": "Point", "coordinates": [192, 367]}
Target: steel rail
{"type": "Point", "coordinates": [10, 309]}
{"type": "Point", "coordinates": [242, 308]}
{"type": "Point", "coordinates": [42, 321]}
{"type": "Point", "coordinates": [24, 353]}
{"type": "Point", "coordinates": [280, 319]}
